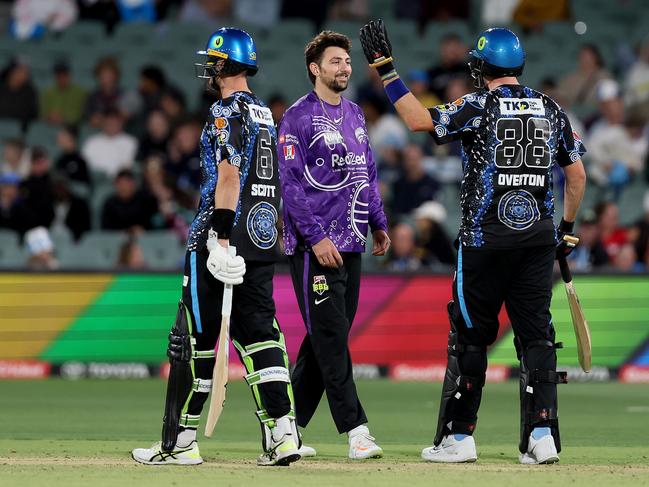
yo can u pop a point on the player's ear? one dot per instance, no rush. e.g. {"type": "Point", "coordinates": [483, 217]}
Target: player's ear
{"type": "Point", "coordinates": [315, 69]}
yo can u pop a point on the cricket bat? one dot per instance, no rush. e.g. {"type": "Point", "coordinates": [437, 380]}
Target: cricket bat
{"type": "Point", "coordinates": [220, 373]}
{"type": "Point", "coordinates": [582, 332]}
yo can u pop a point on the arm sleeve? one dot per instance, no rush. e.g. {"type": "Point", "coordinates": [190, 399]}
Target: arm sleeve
{"type": "Point", "coordinates": [292, 160]}
{"type": "Point", "coordinates": [377, 219]}
{"type": "Point", "coordinates": [570, 146]}
{"type": "Point", "coordinates": [229, 140]}
{"type": "Point", "coordinates": [452, 119]}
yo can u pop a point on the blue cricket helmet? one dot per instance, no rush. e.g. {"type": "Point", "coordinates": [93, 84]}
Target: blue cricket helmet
{"type": "Point", "coordinates": [497, 53]}
{"type": "Point", "coordinates": [228, 51]}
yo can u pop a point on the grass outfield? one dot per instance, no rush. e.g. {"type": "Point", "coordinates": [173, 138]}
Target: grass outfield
{"type": "Point", "coordinates": [80, 433]}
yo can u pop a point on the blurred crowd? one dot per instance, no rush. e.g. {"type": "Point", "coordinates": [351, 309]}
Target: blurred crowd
{"type": "Point", "coordinates": [143, 141]}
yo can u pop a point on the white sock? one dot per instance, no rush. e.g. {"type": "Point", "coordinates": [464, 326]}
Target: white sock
{"type": "Point", "coordinates": [185, 438]}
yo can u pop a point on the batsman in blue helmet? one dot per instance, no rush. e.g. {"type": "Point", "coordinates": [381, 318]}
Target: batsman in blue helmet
{"type": "Point", "coordinates": [511, 137]}
{"type": "Point", "coordinates": [239, 207]}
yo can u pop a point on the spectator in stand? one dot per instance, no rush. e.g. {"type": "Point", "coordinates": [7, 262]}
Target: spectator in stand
{"type": "Point", "coordinates": [419, 83]}
{"type": "Point", "coordinates": [636, 84]}
{"type": "Point", "coordinates": [278, 105]}
{"type": "Point", "coordinates": [174, 105]}
{"type": "Point", "coordinates": [261, 13]}
{"type": "Point", "coordinates": [70, 162]}
{"type": "Point", "coordinates": [37, 188]}
{"type": "Point", "coordinates": [31, 19]}
{"type": "Point", "coordinates": [371, 90]}
{"type": "Point", "coordinates": [452, 64]}
{"type": "Point", "coordinates": [627, 261]}
{"type": "Point", "coordinates": [14, 212]}
{"type": "Point", "coordinates": [70, 211]}
{"type": "Point", "coordinates": [641, 230]}
{"type": "Point", "coordinates": [131, 256]}
{"type": "Point", "coordinates": [184, 161]}
{"type": "Point", "coordinates": [590, 253]}
{"type": "Point", "coordinates": [40, 249]}
{"type": "Point", "coordinates": [136, 10]}
{"type": "Point", "coordinates": [580, 86]}
{"type": "Point", "coordinates": [170, 204]}
{"type": "Point", "coordinates": [610, 107]}
{"type": "Point", "coordinates": [349, 10]}
{"type": "Point", "coordinates": [15, 158]}
{"type": "Point", "coordinates": [415, 186]}
{"type": "Point", "coordinates": [111, 149]}
{"type": "Point", "coordinates": [532, 14]}
{"type": "Point", "coordinates": [618, 153]}
{"type": "Point", "coordinates": [141, 102]}
{"type": "Point", "coordinates": [101, 11]}
{"type": "Point", "coordinates": [155, 139]}
{"type": "Point", "coordinates": [313, 10]}
{"type": "Point", "coordinates": [402, 256]}
{"type": "Point", "coordinates": [64, 101]}
{"type": "Point", "coordinates": [108, 95]}
{"type": "Point", "coordinates": [612, 235]}
{"type": "Point", "coordinates": [212, 12]}
{"type": "Point", "coordinates": [18, 96]}
{"type": "Point", "coordinates": [128, 208]}
{"type": "Point", "coordinates": [434, 245]}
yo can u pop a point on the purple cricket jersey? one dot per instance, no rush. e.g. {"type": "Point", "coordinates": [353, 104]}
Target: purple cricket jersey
{"type": "Point", "coordinates": [327, 175]}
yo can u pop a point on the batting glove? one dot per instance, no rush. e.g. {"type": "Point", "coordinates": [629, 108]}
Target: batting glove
{"type": "Point", "coordinates": [377, 47]}
{"type": "Point", "coordinates": [564, 247]}
{"type": "Point", "coordinates": [224, 267]}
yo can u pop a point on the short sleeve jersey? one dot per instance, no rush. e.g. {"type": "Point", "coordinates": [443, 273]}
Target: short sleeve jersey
{"type": "Point", "coordinates": [511, 138]}
{"type": "Point", "coordinates": [240, 129]}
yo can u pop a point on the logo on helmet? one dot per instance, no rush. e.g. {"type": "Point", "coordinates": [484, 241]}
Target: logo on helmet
{"type": "Point", "coordinates": [218, 42]}
{"type": "Point", "coordinates": [481, 43]}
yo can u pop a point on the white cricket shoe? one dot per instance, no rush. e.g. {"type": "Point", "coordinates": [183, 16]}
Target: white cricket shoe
{"type": "Point", "coordinates": [306, 451]}
{"type": "Point", "coordinates": [540, 451]}
{"type": "Point", "coordinates": [361, 444]}
{"type": "Point", "coordinates": [283, 447]}
{"type": "Point", "coordinates": [189, 455]}
{"type": "Point", "coordinates": [451, 450]}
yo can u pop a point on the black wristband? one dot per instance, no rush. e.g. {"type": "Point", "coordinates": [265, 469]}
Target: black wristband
{"type": "Point", "coordinates": [566, 227]}
{"type": "Point", "coordinates": [222, 222]}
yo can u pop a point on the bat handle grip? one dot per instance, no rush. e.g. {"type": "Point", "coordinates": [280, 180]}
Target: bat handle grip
{"type": "Point", "coordinates": [566, 275]}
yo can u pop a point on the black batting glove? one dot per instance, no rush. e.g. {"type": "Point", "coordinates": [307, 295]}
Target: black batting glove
{"type": "Point", "coordinates": [179, 347]}
{"type": "Point", "coordinates": [377, 47]}
{"type": "Point", "coordinates": [565, 246]}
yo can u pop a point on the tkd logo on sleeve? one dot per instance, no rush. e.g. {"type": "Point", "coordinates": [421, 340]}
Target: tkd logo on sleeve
{"type": "Point", "coordinates": [320, 285]}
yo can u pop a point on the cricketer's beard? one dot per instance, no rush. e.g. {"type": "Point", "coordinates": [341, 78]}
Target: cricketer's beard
{"type": "Point", "coordinates": [335, 85]}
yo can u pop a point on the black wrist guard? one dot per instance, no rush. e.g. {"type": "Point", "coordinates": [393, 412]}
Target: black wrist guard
{"type": "Point", "coordinates": [222, 222]}
{"type": "Point", "coordinates": [566, 227]}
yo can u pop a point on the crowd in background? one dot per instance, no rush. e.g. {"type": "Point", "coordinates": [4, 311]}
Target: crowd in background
{"type": "Point", "coordinates": [145, 140]}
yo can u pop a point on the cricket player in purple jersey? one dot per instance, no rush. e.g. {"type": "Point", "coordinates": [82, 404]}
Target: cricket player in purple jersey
{"type": "Point", "coordinates": [331, 197]}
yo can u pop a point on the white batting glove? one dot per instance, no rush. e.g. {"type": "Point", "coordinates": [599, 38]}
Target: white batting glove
{"type": "Point", "coordinates": [224, 267]}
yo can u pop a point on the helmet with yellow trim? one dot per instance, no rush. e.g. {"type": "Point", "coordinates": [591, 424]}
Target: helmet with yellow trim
{"type": "Point", "coordinates": [229, 51]}
{"type": "Point", "coordinates": [497, 53]}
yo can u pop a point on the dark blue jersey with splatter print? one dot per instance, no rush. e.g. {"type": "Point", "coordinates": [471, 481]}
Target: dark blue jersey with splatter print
{"type": "Point", "coordinates": [240, 128]}
{"type": "Point", "coordinates": [511, 137]}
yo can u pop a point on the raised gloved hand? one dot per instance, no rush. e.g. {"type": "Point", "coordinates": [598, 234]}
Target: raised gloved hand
{"type": "Point", "coordinates": [377, 47]}
{"type": "Point", "coordinates": [566, 240]}
{"type": "Point", "coordinates": [224, 267]}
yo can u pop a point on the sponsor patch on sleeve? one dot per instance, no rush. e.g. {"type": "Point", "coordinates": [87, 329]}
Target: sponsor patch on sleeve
{"type": "Point", "coordinates": [289, 152]}
{"type": "Point", "coordinates": [261, 115]}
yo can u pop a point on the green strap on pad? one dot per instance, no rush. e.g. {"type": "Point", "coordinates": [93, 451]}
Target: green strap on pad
{"type": "Point", "coordinates": [278, 373]}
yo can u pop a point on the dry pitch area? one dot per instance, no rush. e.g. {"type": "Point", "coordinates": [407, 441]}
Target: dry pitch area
{"type": "Point", "coordinates": [80, 433]}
